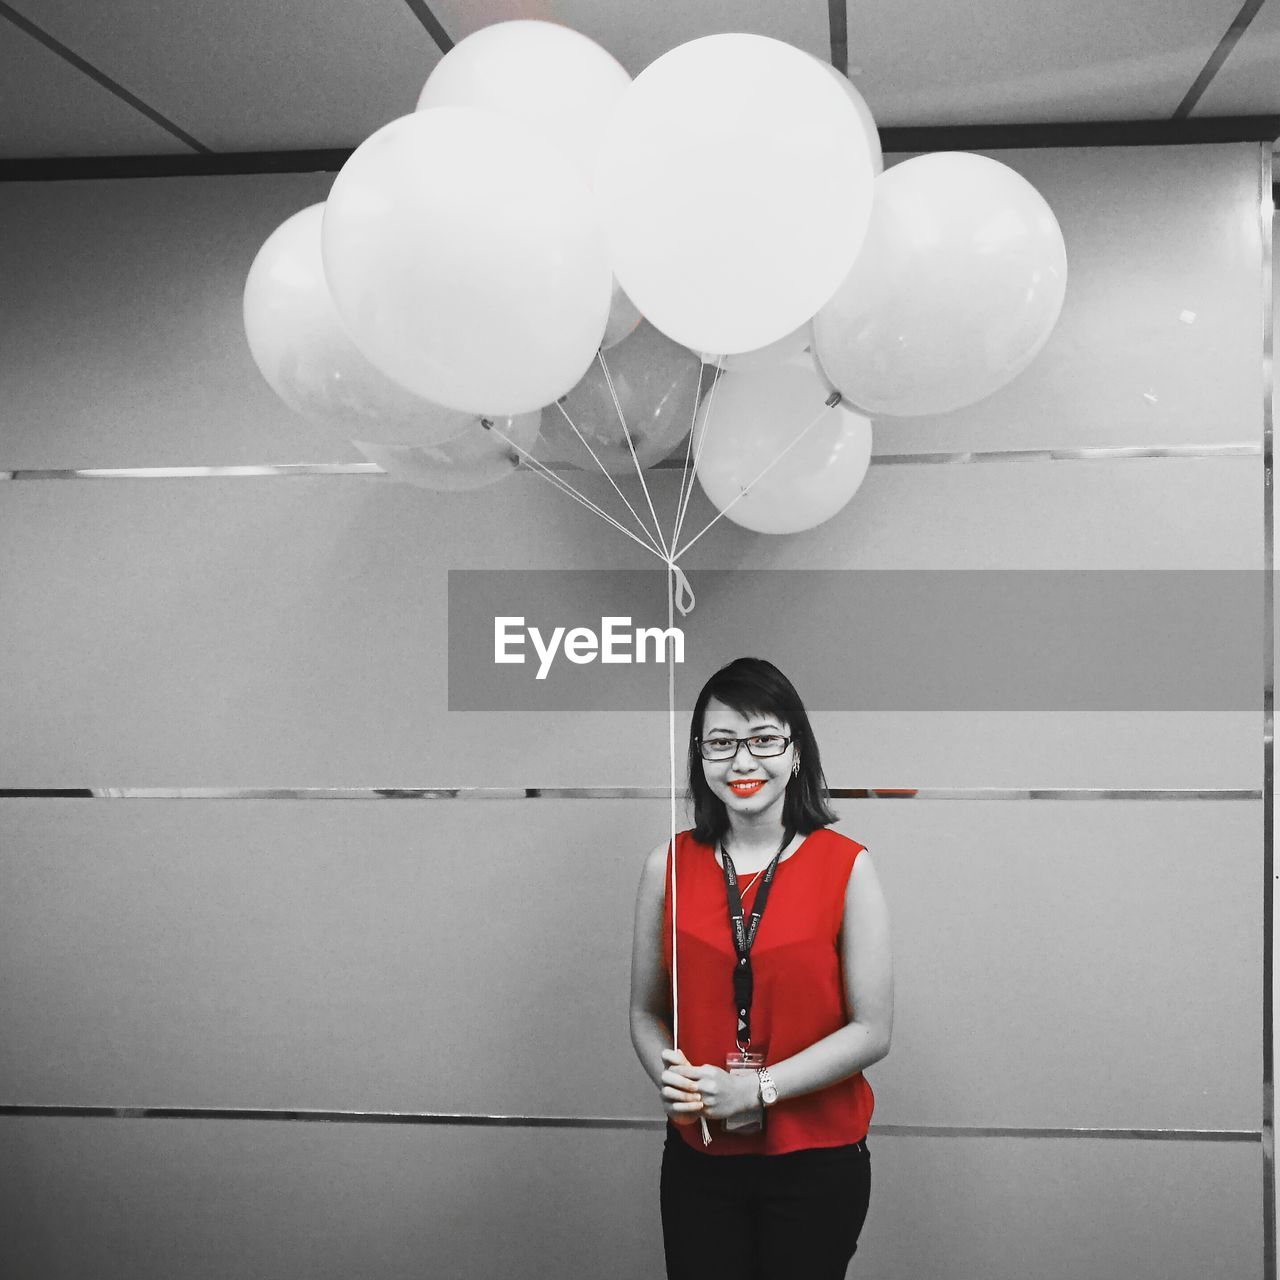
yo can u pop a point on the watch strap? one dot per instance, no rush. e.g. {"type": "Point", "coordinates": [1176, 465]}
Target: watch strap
{"type": "Point", "coordinates": [768, 1090]}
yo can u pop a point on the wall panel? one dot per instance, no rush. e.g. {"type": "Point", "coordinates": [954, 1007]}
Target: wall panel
{"type": "Point", "coordinates": [1084, 964]}
{"type": "Point", "coordinates": [154, 1199]}
{"type": "Point", "coordinates": [1160, 331]}
{"type": "Point", "coordinates": [1058, 964]}
{"type": "Point", "coordinates": [267, 632]}
{"type": "Point", "coordinates": [127, 348]}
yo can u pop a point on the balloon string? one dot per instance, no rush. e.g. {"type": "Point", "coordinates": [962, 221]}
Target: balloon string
{"type": "Point", "coordinates": [671, 742]}
{"type": "Point", "coordinates": [539, 469]}
{"type": "Point", "coordinates": [676, 582]}
{"type": "Point", "coordinates": [832, 400]}
{"type": "Point", "coordinates": [657, 547]}
{"type": "Point", "coordinates": [683, 506]}
{"type": "Point", "coordinates": [657, 524]}
{"type": "Point", "coordinates": [672, 571]}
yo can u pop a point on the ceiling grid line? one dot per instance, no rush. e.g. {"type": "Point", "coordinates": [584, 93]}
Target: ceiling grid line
{"type": "Point", "coordinates": [894, 139]}
{"type": "Point", "coordinates": [229, 154]}
{"type": "Point", "coordinates": [838, 24]}
{"type": "Point", "coordinates": [1239, 24]}
{"type": "Point", "coordinates": [432, 24]}
{"type": "Point", "coordinates": [38, 34]}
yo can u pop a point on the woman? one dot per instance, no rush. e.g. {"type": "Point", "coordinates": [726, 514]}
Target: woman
{"type": "Point", "coordinates": [783, 952]}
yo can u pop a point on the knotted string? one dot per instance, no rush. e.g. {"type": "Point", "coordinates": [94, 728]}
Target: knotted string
{"type": "Point", "coordinates": [683, 592]}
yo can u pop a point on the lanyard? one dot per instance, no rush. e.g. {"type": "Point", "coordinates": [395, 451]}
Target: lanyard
{"type": "Point", "coordinates": [743, 936]}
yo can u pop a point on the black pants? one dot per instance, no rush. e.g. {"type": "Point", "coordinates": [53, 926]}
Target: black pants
{"type": "Point", "coordinates": [789, 1217]}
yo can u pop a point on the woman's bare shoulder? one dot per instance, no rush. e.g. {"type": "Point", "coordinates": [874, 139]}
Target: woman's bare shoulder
{"type": "Point", "coordinates": [653, 874]}
{"type": "Point", "coordinates": [655, 862]}
{"type": "Point", "coordinates": [840, 840]}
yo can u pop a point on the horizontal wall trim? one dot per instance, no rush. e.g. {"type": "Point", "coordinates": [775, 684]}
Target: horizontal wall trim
{"type": "Point", "coordinates": [613, 793]}
{"type": "Point", "coordinates": [196, 473]}
{"type": "Point", "coordinates": [1110, 453]}
{"type": "Point", "coordinates": [893, 138]}
{"type": "Point", "coordinates": [598, 1122]}
{"type": "Point", "coordinates": [1100, 453]}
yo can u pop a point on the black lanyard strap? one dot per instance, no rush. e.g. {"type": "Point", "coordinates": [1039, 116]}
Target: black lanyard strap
{"type": "Point", "coordinates": [744, 934]}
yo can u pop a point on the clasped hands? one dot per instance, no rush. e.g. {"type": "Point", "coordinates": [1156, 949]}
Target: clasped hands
{"type": "Point", "coordinates": [689, 1091]}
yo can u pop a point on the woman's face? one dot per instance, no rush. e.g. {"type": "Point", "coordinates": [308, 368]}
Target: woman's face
{"type": "Point", "coordinates": [746, 785]}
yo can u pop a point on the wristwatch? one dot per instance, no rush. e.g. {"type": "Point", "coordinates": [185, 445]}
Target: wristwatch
{"type": "Point", "coordinates": [768, 1090]}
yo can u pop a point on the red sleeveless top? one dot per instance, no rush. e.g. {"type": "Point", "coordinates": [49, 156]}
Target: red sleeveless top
{"type": "Point", "coordinates": [798, 995]}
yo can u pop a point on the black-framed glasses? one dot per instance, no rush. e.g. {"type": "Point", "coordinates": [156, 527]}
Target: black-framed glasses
{"type": "Point", "coordinates": [760, 745]}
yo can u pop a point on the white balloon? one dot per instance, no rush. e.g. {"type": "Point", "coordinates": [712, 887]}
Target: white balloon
{"type": "Point", "coordinates": [297, 340]}
{"type": "Point", "coordinates": [463, 256]}
{"type": "Point", "coordinates": [551, 76]}
{"type": "Point", "coordinates": [786, 348]}
{"type": "Point", "coordinates": [624, 316]}
{"type": "Point", "coordinates": [864, 113]}
{"type": "Point", "coordinates": [766, 463]}
{"type": "Point", "coordinates": [472, 458]}
{"type": "Point", "coordinates": [735, 191]}
{"type": "Point", "coordinates": [959, 285]}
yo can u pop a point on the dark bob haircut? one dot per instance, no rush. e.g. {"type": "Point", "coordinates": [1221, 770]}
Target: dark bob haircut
{"type": "Point", "coordinates": [755, 686]}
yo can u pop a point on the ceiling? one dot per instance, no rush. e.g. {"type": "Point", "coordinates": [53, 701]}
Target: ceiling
{"type": "Point", "coordinates": [188, 78]}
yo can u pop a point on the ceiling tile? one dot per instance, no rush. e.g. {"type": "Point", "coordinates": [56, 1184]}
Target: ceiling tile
{"type": "Point", "coordinates": [48, 108]}
{"type": "Point", "coordinates": [636, 34]}
{"type": "Point", "coordinates": [1025, 61]}
{"type": "Point", "coordinates": [1248, 82]}
{"type": "Point", "coordinates": [294, 74]}
{"type": "Point", "coordinates": [241, 75]}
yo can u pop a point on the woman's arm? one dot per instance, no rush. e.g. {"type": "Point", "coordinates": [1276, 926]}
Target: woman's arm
{"type": "Point", "coordinates": [867, 962]}
{"type": "Point", "coordinates": [650, 1005]}
{"type": "Point", "coordinates": [651, 996]}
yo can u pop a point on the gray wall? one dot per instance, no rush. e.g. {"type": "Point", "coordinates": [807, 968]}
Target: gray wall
{"type": "Point", "coordinates": [1060, 964]}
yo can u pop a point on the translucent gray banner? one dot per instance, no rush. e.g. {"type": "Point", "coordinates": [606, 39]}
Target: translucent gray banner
{"type": "Point", "coordinates": [863, 640]}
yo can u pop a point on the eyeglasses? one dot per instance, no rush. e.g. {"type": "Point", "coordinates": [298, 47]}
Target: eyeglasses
{"type": "Point", "coordinates": [760, 745]}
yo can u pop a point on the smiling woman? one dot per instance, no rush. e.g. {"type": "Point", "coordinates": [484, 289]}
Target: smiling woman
{"type": "Point", "coordinates": [782, 1011]}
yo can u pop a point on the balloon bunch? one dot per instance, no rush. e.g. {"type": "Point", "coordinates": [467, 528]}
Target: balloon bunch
{"type": "Point", "coordinates": [475, 260]}
{"type": "Point", "coordinates": [453, 300]}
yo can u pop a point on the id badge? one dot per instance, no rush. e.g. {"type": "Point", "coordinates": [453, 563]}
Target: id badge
{"type": "Point", "coordinates": [744, 1063]}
